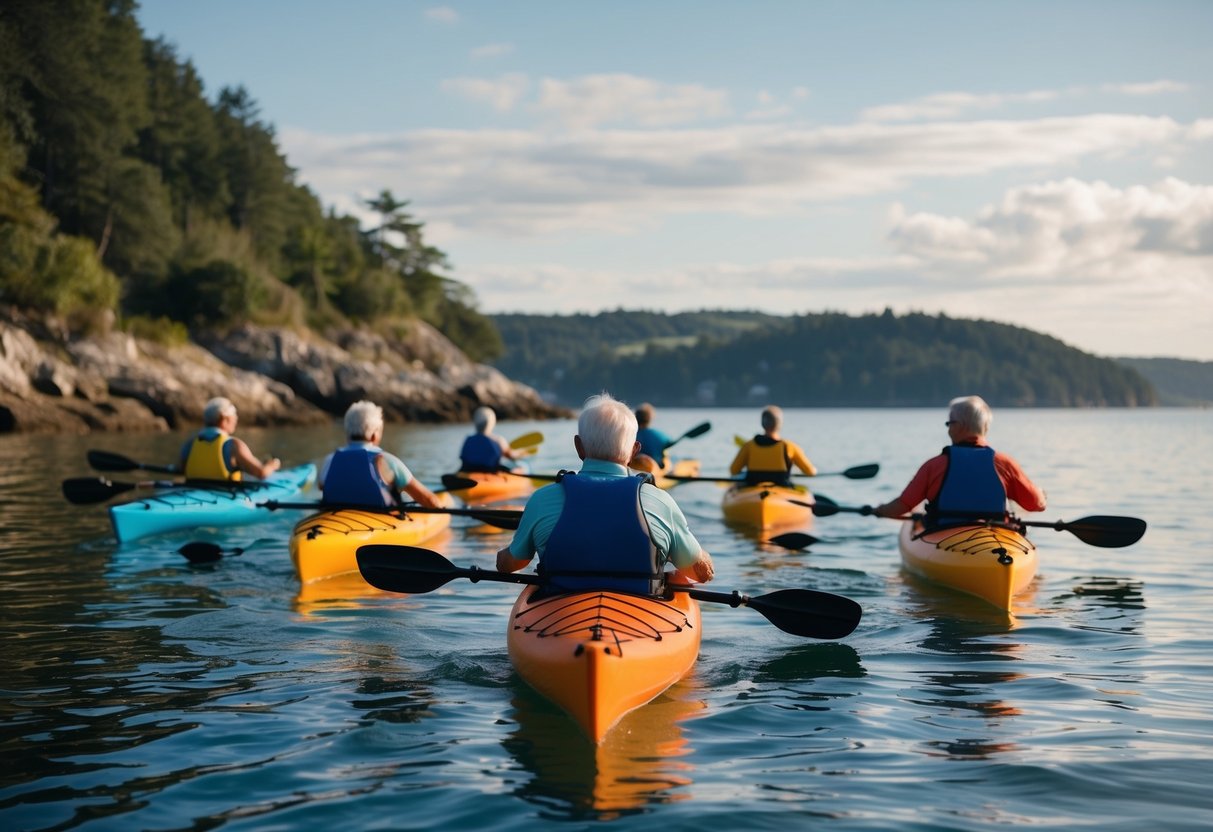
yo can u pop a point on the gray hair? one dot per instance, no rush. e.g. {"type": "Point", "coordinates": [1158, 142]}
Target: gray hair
{"type": "Point", "coordinates": [772, 417]}
{"type": "Point", "coordinates": [216, 409]}
{"type": "Point", "coordinates": [607, 428]}
{"type": "Point", "coordinates": [363, 420]}
{"type": "Point", "coordinates": [972, 413]}
{"type": "Point", "coordinates": [484, 419]}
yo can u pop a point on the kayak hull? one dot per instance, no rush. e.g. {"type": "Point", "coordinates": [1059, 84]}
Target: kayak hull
{"type": "Point", "coordinates": [680, 468]}
{"type": "Point", "coordinates": [492, 486]}
{"type": "Point", "coordinates": [768, 506]}
{"type": "Point", "coordinates": [325, 544]}
{"type": "Point", "coordinates": [177, 509]}
{"type": "Point", "coordinates": [599, 655]}
{"type": "Point", "coordinates": [994, 563]}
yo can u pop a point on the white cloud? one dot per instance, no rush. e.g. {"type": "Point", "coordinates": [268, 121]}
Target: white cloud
{"type": "Point", "coordinates": [1160, 87]}
{"type": "Point", "coordinates": [492, 50]}
{"type": "Point", "coordinates": [1077, 231]}
{"type": "Point", "coordinates": [522, 182]}
{"type": "Point", "coordinates": [620, 98]}
{"type": "Point", "coordinates": [502, 93]}
{"type": "Point", "coordinates": [442, 14]}
{"type": "Point", "coordinates": [946, 105]}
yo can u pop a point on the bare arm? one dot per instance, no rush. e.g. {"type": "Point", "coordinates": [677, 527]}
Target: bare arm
{"type": "Point", "coordinates": [249, 464]}
{"type": "Point", "coordinates": [506, 562]}
{"type": "Point", "coordinates": [420, 493]}
{"type": "Point", "coordinates": [702, 570]}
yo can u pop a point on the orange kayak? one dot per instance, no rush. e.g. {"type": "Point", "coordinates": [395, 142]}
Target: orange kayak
{"type": "Point", "coordinates": [995, 563]}
{"type": "Point", "coordinates": [768, 506]}
{"type": "Point", "coordinates": [492, 486]}
{"type": "Point", "coordinates": [599, 655]}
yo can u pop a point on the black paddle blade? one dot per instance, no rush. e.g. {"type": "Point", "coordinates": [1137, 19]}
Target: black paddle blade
{"type": "Point", "coordinates": [862, 472]}
{"type": "Point", "coordinates": [106, 461]}
{"type": "Point", "coordinates": [199, 552]}
{"type": "Point", "coordinates": [502, 519]}
{"type": "Point", "coordinates": [794, 540]}
{"type": "Point", "coordinates": [801, 612]}
{"type": "Point", "coordinates": [454, 482]}
{"type": "Point", "coordinates": [85, 491]}
{"type": "Point", "coordinates": [824, 506]}
{"type": "Point", "coordinates": [405, 568]}
{"type": "Point", "coordinates": [1107, 531]}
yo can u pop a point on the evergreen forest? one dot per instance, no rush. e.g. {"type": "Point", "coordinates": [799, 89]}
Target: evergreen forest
{"type": "Point", "coordinates": [816, 360]}
{"type": "Point", "coordinates": [130, 197]}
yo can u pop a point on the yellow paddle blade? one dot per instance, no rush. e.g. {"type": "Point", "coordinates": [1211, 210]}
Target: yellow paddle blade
{"type": "Point", "coordinates": [527, 440]}
{"type": "Point", "coordinates": [739, 440]}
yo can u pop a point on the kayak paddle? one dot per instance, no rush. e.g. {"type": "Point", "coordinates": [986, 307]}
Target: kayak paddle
{"type": "Point", "coordinates": [794, 540]}
{"type": "Point", "coordinates": [1103, 530]}
{"type": "Point", "coordinates": [89, 490]}
{"type": "Point", "coordinates": [698, 430]}
{"type": "Point", "coordinates": [801, 612]}
{"type": "Point", "coordinates": [858, 472]}
{"type": "Point", "coordinates": [530, 441]}
{"type": "Point", "coordinates": [106, 461]}
{"type": "Point", "coordinates": [499, 517]}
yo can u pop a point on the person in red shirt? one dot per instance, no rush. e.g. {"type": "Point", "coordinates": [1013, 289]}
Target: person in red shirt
{"type": "Point", "coordinates": [969, 480]}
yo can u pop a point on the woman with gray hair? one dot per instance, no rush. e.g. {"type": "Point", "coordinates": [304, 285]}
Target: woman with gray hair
{"type": "Point", "coordinates": [968, 479]}
{"type": "Point", "coordinates": [214, 454]}
{"type": "Point", "coordinates": [362, 473]}
{"type": "Point", "coordinates": [483, 451]}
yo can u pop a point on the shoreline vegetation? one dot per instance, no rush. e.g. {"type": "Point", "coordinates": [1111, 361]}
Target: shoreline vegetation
{"type": "Point", "coordinates": [157, 250]}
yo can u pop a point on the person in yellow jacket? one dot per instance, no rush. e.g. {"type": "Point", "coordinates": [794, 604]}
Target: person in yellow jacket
{"type": "Point", "coordinates": [768, 457]}
{"type": "Point", "coordinates": [214, 454]}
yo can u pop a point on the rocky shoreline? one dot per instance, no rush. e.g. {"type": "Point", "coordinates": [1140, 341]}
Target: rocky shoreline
{"type": "Point", "coordinates": [52, 381]}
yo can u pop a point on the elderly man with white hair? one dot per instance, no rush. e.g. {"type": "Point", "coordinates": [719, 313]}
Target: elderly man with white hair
{"type": "Point", "coordinates": [362, 473]}
{"type": "Point", "coordinates": [604, 527]}
{"type": "Point", "coordinates": [484, 450]}
{"type": "Point", "coordinates": [214, 454]}
{"type": "Point", "coordinates": [968, 480]}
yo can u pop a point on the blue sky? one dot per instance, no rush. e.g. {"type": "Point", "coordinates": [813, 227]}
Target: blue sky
{"type": "Point", "coordinates": [1045, 164]}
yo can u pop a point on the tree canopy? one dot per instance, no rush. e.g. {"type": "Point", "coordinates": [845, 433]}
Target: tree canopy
{"type": "Point", "coordinates": [125, 191]}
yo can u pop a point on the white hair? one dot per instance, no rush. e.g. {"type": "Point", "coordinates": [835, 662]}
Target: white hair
{"type": "Point", "coordinates": [972, 413]}
{"type": "Point", "coordinates": [363, 420]}
{"type": "Point", "coordinates": [484, 419]}
{"type": "Point", "coordinates": [607, 428]}
{"type": "Point", "coordinates": [216, 409]}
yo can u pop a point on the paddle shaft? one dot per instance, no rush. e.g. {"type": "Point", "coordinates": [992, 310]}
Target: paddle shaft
{"type": "Point", "coordinates": [803, 612]}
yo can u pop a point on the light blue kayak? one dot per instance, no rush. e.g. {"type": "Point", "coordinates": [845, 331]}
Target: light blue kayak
{"type": "Point", "coordinates": [179, 508]}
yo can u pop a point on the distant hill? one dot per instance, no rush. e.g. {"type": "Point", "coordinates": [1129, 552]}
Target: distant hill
{"type": "Point", "coordinates": [823, 360]}
{"type": "Point", "coordinates": [1178, 382]}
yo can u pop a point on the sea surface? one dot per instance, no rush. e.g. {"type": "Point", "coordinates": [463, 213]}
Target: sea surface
{"type": "Point", "coordinates": [142, 693]}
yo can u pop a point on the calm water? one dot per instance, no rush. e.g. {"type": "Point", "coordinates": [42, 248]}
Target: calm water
{"type": "Point", "coordinates": [142, 693]}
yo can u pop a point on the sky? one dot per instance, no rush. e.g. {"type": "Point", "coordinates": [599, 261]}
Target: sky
{"type": "Point", "coordinates": [1042, 163]}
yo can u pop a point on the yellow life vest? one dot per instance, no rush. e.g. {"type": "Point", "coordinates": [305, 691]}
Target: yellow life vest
{"type": "Point", "coordinates": [206, 462]}
{"type": "Point", "coordinates": [772, 457]}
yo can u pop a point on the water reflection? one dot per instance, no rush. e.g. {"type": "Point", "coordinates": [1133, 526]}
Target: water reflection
{"type": "Point", "coordinates": [638, 764]}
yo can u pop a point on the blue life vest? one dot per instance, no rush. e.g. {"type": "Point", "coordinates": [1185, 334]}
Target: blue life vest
{"type": "Point", "coordinates": [480, 453]}
{"type": "Point", "coordinates": [353, 477]}
{"type": "Point", "coordinates": [971, 489]}
{"type": "Point", "coordinates": [601, 540]}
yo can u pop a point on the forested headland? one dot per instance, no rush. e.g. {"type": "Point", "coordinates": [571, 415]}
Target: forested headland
{"type": "Point", "coordinates": [138, 211]}
{"type": "Point", "coordinates": [816, 360]}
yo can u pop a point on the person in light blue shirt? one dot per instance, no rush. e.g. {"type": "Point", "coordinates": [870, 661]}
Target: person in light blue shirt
{"type": "Point", "coordinates": [605, 442]}
{"type": "Point", "coordinates": [362, 473]}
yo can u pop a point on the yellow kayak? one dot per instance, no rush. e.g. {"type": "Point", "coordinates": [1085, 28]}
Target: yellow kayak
{"type": "Point", "coordinates": [995, 563]}
{"type": "Point", "coordinates": [679, 468]}
{"type": "Point", "coordinates": [599, 655]}
{"type": "Point", "coordinates": [768, 506]}
{"type": "Point", "coordinates": [324, 544]}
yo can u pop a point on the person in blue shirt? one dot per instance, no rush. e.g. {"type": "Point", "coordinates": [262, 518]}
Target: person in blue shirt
{"type": "Point", "coordinates": [587, 529]}
{"type": "Point", "coordinates": [484, 451]}
{"type": "Point", "coordinates": [653, 443]}
{"type": "Point", "coordinates": [362, 473]}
